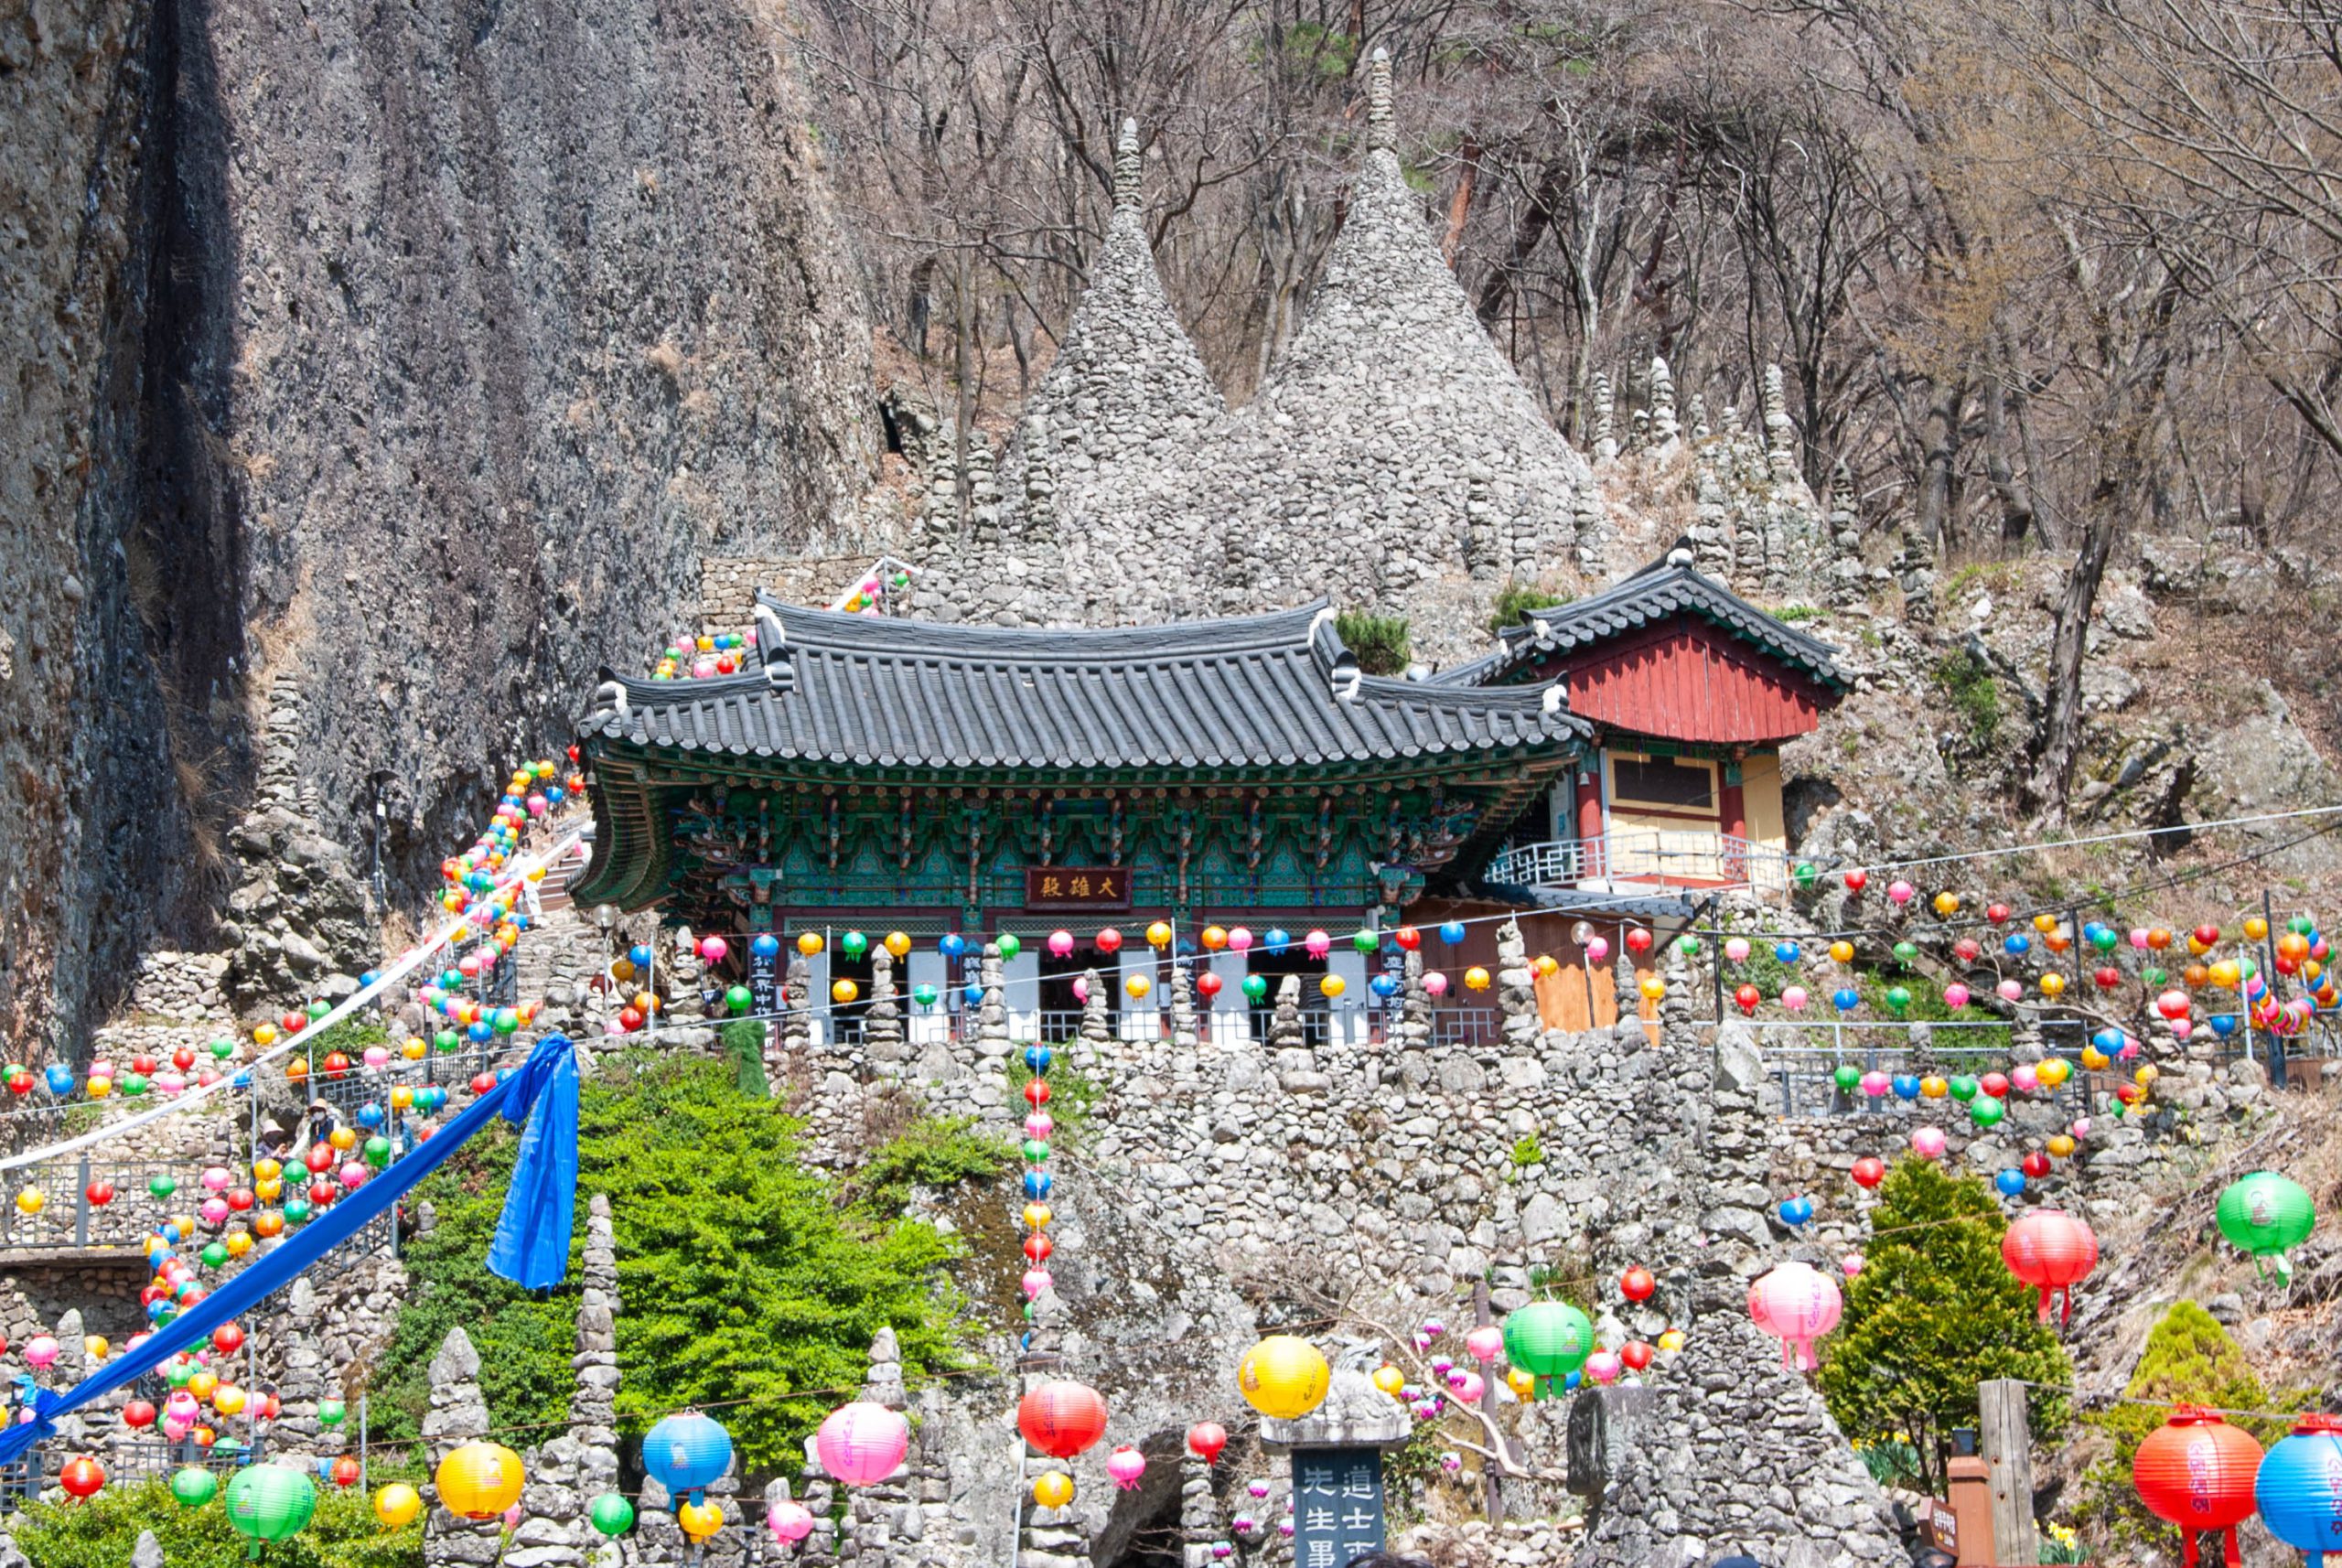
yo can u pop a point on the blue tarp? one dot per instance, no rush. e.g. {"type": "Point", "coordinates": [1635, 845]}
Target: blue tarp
{"type": "Point", "coordinates": [551, 1173]}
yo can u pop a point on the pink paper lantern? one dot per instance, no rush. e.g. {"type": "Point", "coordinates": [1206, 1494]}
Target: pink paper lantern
{"type": "Point", "coordinates": [1126, 1465]}
{"type": "Point", "coordinates": [1040, 1124]}
{"type": "Point", "coordinates": [713, 949]}
{"type": "Point", "coordinates": [218, 1179]}
{"type": "Point", "coordinates": [862, 1444]}
{"type": "Point", "coordinates": [1316, 944]}
{"type": "Point", "coordinates": [1793, 997]}
{"type": "Point", "coordinates": [788, 1522]}
{"type": "Point", "coordinates": [214, 1211]}
{"type": "Point", "coordinates": [1434, 983]}
{"type": "Point", "coordinates": [1955, 996]}
{"type": "Point", "coordinates": [1928, 1143]}
{"type": "Point", "coordinates": [2138, 938]}
{"type": "Point", "coordinates": [2011, 990]}
{"type": "Point", "coordinates": [1485, 1343]}
{"type": "Point", "coordinates": [1736, 949]}
{"type": "Point", "coordinates": [1876, 1084]}
{"type": "Point", "coordinates": [1061, 943]}
{"type": "Point", "coordinates": [1036, 1281]}
{"type": "Point", "coordinates": [1796, 1303]}
{"type": "Point", "coordinates": [1900, 891]}
{"type": "Point", "coordinates": [2079, 1128]}
{"type": "Point", "coordinates": [41, 1352]}
{"type": "Point", "coordinates": [1851, 1264]}
{"type": "Point", "coordinates": [1601, 1367]}
{"type": "Point", "coordinates": [2025, 1076]}
{"type": "Point", "coordinates": [1081, 988]}
{"type": "Point", "coordinates": [1239, 940]}
{"type": "Point", "coordinates": [1469, 1387]}
{"type": "Point", "coordinates": [1597, 949]}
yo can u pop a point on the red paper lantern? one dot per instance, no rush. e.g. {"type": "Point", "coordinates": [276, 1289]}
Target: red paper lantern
{"type": "Point", "coordinates": [482, 1082]}
{"type": "Point", "coordinates": [1108, 942]}
{"type": "Point", "coordinates": [82, 1478]}
{"type": "Point", "coordinates": [1637, 941]}
{"type": "Point", "coordinates": [1062, 1418]}
{"type": "Point", "coordinates": [1408, 938]}
{"type": "Point", "coordinates": [1857, 880]}
{"type": "Point", "coordinates": [1637, 1284]}
{"type": "Point", "coordinates": [1635, 1354]}
{"type": "Point", "coordinates": [2196, 1471]}
{"type": "Point", "coordinates": [1037, 1093]}
{"type": "Point", "coordinates": [320, 1159]}
{"type": "Point", "coordinates": [1966, 950]}
{"type": "Point", "coordinates": [344, 1471]}
{"type": "Point", "coordinates": [100, 1192]}
{"type": "Point", "coordinates": [1868, 1172]}
{"type": "Point", "coordinates": [1206, 1439]}
{"type": "Point", "coordinates": [138, 1414]}
{"type": "Point", "coordinates": [1994, 1084]}
{"type": "Point", "coordinates": [1997, 913]}
{"type": "Point", "coordinates": [227, 1339]}
{"type": "Point", "coordinates": [337, 1064]}
{"type": "Point", "coordinates": [1747, 996]}
{"type": "Point", "coordinates": [1207, 985]}
{"type": "Point", "coordinates": [2052, 1251]}
{"type": "Point", "coordinates": [1037, 1247]}
{"type": "Point", "coordinates": [2035, 1165]}
{"type": "Point", "coordinates": [2107, 976]}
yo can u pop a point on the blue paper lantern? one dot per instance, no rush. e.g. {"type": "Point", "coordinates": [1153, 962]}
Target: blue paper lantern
{"type": "Point", "coordinates": [1276, 938]}
{"type": "Point", "coordinates": [1037, 1184]}
{"type": "Point", "coordinates": [1572, 1379]}
{"type": "Point", "coordinates": [369, 1115]}
{"type": "Point", "coordinates": [686, 1453]}
{"type": "Point", "coordinates": [1787, 953]}
{"type": "Point", "coordinates": [61, 1078]}
{"type": "Point", "coordinates": [2108, 1040]}
{"type": "Point", "coordinates": [367, 979]}
{"type": "Point", "coordinates": [2011, 1182]}
{"type": "Point", "coordinates": [1038, 1058]}
{"type": "Point", "coordinates": [765, 945]}
{"type": "Point", "coordinates": [1907, 1086]}
{"type": "Point", "coordinates": [1383, 985]}
{"type": "Point", "coordinates": [1845, 999]}
{"type": "Point", "coordinates": [2016, 943]}
{"type": "Point", "coordinates": [2299, 1489]}
{"type": "Point", "coordinates": [1796, 1210]}
{"type": "Point", "coordinates": [952, 945]}
{"type": "Point", "coordinates": [639, 955]}
{"type": "Point", "coordinates": [2223, 1024]}
{"type": "Point", "coordinates": [1451, 931]}
{"type": "Point", "coordinates": [480, 1032]}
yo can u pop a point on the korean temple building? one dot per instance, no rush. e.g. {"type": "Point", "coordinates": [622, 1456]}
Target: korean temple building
{"type": "Point", "coordinates": [1613, 759]}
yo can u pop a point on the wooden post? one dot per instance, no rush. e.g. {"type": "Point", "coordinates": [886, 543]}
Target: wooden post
{"type": "Point", "coordinates": [2007, 1443]}
{"type": "Point", "coordinates": [1482, 1318]}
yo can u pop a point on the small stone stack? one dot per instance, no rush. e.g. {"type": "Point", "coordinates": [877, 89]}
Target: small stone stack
{"type": "Point", "coordinates": [1780, 434]}
{"type": "Point", "coordinates": [879, 1515]}
{"type": "Point", "coordinates": [1096, 1038]}
{"type": "Point", "coordinates": [459, 1414]}
{"type": "Point", "coordinates": [1411, 1031]}
{"type": "Point", "coordinates": [1200, 1523]}
{"type": "Point", "coordinates": [1288, 1044]}
{"type": "Point", "coordinates": [1914, 575]}
{"type": "Point", "coordinates": [1664, 430]}
{"type": "Point", "coordinates": [992, 1043]}
{"type": "Point", "coordinates": [1846, 575]}
{"type": "Point", "coordinates": [792, 1048]}
{"type": "Point", "coordinates": [1606, 416]}
{"type": "Point", "coordinates": [1517, 989]}
{"type": "Point", "coordinates": [882, 1025]}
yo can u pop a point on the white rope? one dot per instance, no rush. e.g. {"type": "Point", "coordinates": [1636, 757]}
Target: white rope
{"type": "Point", "coordinates": [385, 981]}
{"type": "Point", "coordinates": [2102, 838]}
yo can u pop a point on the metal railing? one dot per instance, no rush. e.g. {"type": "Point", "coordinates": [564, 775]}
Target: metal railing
{"type": "Point", "coordinates": [1806, 1074]}
{"type": "Point", "coordinates": [1665, 857]}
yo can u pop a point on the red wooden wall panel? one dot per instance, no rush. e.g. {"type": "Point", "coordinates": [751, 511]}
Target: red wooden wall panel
{"type": "Point", "coordinates": [1685, 679]}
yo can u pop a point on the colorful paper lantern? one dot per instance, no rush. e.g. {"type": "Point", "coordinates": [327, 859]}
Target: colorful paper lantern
{"type": "Point", "coordinates": [269, 1503]}
{"type": "Point", "coordinates": [2052, 1251]}
{"type": "Point", "coordinates": [1285, 1377]}
{"type": "Point", "coordinates": [2298, 1488]}
{"type": "Point", "coordinates": [2268, 1215]}
{"type": "Point", "coordinates": [1548, 1339]}
{"type": "Point", "coordinates": [193, 1485]}
{"type": "Point", "coordinates": [611, 1514]}
{"type": "Point", "coordinates": [1206, 1439]}
{"type": "Point", "coordinates": [862, 1444]}
{"type": "Point", "coordinates": [1062, 1418]}
{"type": "Point", "coordinates": [1125, 1465]}
{"type": "Point", "coordinates": [1052, 1489]}
{"type": "Point", "coordinates": [790, 1522]}
{"type": "Point", "coordinates": [1796, 1303]}
{"type": "Point", "coordinates": [2197, 1472]}
{"type": "Point", "coordinates": [687, 1453]}
{"type": "Point", "coordinates": [397, 1505]}
{"type": "Point", "coordinates": [480, 1480]}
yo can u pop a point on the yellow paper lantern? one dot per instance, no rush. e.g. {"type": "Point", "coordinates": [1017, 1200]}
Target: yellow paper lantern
{"type": "Point", "coordinates": [266, 1034]}
{"type": "Point", "coordinates": [2053, 984]}
{"type": "Point", "coordinates": [898, 944]}
{"type": "Point", "coordinates": [844, 990]}
{"type": "Point", "coordinates": [809, 943]}
{"type": "Point", "coordinates": [621, 968]}
{"type": "Point", "coordinates": [238, 1243]}
{"type": "Point", "coordinates": [96, 1346]}
{"type": "Point", "coordinates": [1652, 987]}
{"type": "Point", "coordinates": [413, 1051]}
{"type": "Point", "coordinates": [480, 1480]}
{"type": "Point", "coordinates": [2094, 1059]}
{"type": "Point", "coordinates": [99, 1088]}
{"type": "Point", "coordinates": [1548, 964]}
{"type": "Point", "coordinates": [1214, 937]}
{"type": "Point", "coordinates": [343, 1138]}
{"type": "Point", "coordinates": [1138, 985]}
{"type": "Point", "coordinates": [228, 1400]}
{"type": "Point", "coordinates": [1671, 1340]}
{"type": "Point", "coordinates": [700, 1520]}
{"type": "Point", "coordinates": [2147, 1075]}
{"type": "Point", "coordinates": [1934, 1087]}
{"type": "Point", "coordinates": [1390, 1378]}
{"type": "Point", "coordinates": [266, 1170]}
{"type": "Point", "coordinates": [1333, 985]}
{"type": "Point", "coordinates": [2255, 928]}
{"type": "Point", "coordinates": [32, 1200]}
{"type": "Point", "coordinates": [1158, 935]}
{"type": "Point", "coordinates": [1523, 1384]}
{"type": "Point", "coordinates": [203, 1385]}
{"type": "Point", "coordinates": [2045, 924]}
{"type": "Point", "coordinates": [1052, 1489]}
{"type": "Point", "coordinates": [1476, 978]}
{"type": "Point", "coordinates": [268, 1191]}
{"type": "Point", "coordinates": [2054, 1071]}
{"type": "Point", "coordinates": [402, 1097]}
{"type": "Point", "coordinates": [2060, 1144]}
{"type": "Point", "coordinates": [1284, 1376]}
{"type": "Point", "coordinates": [397, 1505]}
{"type": "Point", "coordinates": [1946, 905]}
{"type": "Point", "coordinates": [1842, 952]}
{"type": "Point", "coordinates": [1036, 1216]}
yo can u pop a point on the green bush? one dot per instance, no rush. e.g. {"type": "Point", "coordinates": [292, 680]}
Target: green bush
{"type": "Point", "coordinates": [2188, 1360]}
{"type": "Point", "coordinates": [1517, 599]}
{"type": "Point", "coordinates": [1382, 643]}
{"type": "Point", "coordinates": [1934, 1313]}
{"type": "Point", "coordinates": [102, 1531]}
{"type": "Point", "coordinates": [1968, 683]}
{"type": "Point", "coordinates": [745, 1279]}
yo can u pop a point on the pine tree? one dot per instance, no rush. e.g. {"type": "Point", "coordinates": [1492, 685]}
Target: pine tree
{"type": "Point", "coordinates": [1934, 1313]}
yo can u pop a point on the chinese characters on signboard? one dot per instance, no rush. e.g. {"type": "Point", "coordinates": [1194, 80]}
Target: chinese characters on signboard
{"type": "Point", "coordinates": [1337, 1505]}
{"type": "Point", "coordinates": [763, 970]}
{"type": "Point", "coordinates": [1077, 887]}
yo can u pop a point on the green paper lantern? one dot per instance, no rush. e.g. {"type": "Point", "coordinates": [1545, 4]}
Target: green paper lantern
{"type": "Point", "coordinates": [2302, 926]}
{"type": "Point", "coordinates": [1806, 873]}
{"type": "Point", "coordinates": [178, 1371]}
{"type": "Point", "coordinates": [1366, 941]}
{"type": "Point", "coordinates": [318, 1009]}
{"type": "Point", "coordinates": [133, 1084]}
{"type": "Point", "coordinates": [331, 1412]}
{"type": "Point", "coordinates": [1009, 946]}
{"type": "Point", "coordinates": [297, 1211]}
{"type": "Point", "coordinates": [223, 1049]}
{"type": "Point", "coordinates": [1986, 1112]}
{"type": "Point", "coordinates": [1848, 1078]}
{"type": "Point", "coordinates": [611, 1514]}
{"type": "Point", "coordinates": [2268, 1215]}
{"type": "Point", "coordinates": [162, 1187]}
{"type": "Point", "coordinates": [1255, 986]}
{"type": "Point", "coordinates": [214, 1255]}
{"type": "Point", "coordinates": [1688, 945]}
{"type": "Point", "coordinates": [447, 1042]}
{"type": "Point", "coordinates": [2104, 937]}
{"type": "Point", "coordinates": [1548, 1339]}
{"type": "Point", "coordinates": [924, 995]}
{"type": "Point", "coordinates": [194, 1486]}
{"type": "Point", "coordinates": [1904, 952]}
{"type": "Point", "coordinates": [740, 999]}
{"type": "Point", "coordinates": [269, 1503]}
{"type": "Point", "coordinates": [1036, 1151]}
{"type": "Point", "coordinates": [378, 1151]}
{"type": "Point", "coordinates": [855, 944]}
{"type": "Point", "coordinates": [1898, 998]}
{"type": "Point", "coordinates": [1963, 1089]}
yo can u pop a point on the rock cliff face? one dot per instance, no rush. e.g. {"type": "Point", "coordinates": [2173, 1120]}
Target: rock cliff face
{"type": "Point", "coordinates": [414, 353]}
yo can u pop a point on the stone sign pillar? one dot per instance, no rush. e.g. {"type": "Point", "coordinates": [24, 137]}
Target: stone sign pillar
{"type": "Point", "coordinates": [1337, 1451]}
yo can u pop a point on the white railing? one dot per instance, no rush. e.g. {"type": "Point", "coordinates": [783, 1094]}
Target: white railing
{"type": "Point", "coordinates": [1657, 857]}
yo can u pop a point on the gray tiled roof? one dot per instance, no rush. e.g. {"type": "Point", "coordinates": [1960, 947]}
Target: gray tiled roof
{"type": "Point", "coordinates": [1651, 595]}
{"type": "Point", "coordinates": [1267, 691]}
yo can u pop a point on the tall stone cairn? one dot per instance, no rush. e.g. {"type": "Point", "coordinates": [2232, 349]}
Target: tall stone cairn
{"type": "Point", "coordinates": [1591, 526]}
{"type": "Point", "coordinates": [1412, 1030]}
{"type": "Point", "coordinates": [796, 1032]}
{"type": "Point", "coordinates": [594, 1404]}
{"type": "Point", "coordinates": [993, 1044]}
{"type": "Point", "coordinates": [1914, 575]}
{"type": "Point", "coordinates": [1182, 987]}
{"type": "Point", "coordinates": [1712, 542]}
{"type": "Point", "coordinates": [1846, 574]}
{"type": "Point", "coordinates": [1200, 1524]}
{"type": "Point", "coordinates": [1480, 533]}
{"type": "Point", "coordinates": [1700, 430]}
{"type": "Point", "coordinates": [1096, 1036]}
{"type": "Point", "coordinates": [1780, 434]}
{"type": "Point", "coordinates": [1606, 416]}
{"type": "Point", "coordinates": [943, 486]}
{"type": "Point", "coordinates": [459, 1414]}
{"type": "Point", "coordinates": [1295, 1063]}
{"type": "Point", "coordinates": [1664, 430]}
{"type": "Point", "coordinates": [877, 1515]}
{"type": "Point", "coordinates": [1382, 119]}
{"type": "Point", "coordinates": [1516, 989]}
{"type": "Point", "coordinates": [882, 1025]}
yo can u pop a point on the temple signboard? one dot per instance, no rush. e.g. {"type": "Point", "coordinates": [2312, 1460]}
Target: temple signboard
{"type": "Point", "coordinates": [1337, 1505]}
{"type": "Point", "coordinates": [1077, 887]}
